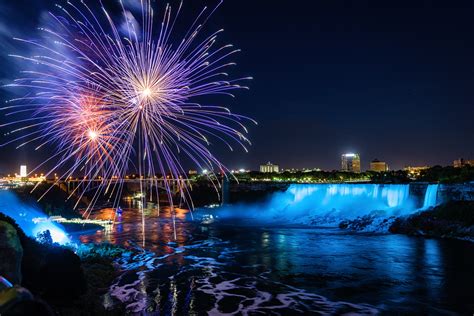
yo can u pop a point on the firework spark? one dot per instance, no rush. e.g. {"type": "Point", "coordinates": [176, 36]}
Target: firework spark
{"type": "Point", "coordinates": [111, 96]}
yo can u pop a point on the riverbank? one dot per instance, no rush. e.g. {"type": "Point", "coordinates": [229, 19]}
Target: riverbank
{"type": "Point", "coordinates": [100, 271]}
{"type": "Point", "coordinates": [454, 219]}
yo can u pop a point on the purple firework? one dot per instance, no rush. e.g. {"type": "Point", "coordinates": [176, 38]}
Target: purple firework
{"type": "Point", "coordinates": [110, 95]}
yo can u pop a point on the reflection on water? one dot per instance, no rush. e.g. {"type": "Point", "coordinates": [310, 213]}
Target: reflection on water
{"type": "Point", "coordinates": [229, 268]}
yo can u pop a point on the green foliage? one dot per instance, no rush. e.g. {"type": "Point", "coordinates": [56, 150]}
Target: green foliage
{"type": "Point", "coordinates": [325, 177]}
{"type": "Point", "coordinates": [44, 238]}
{"type": "Point", "coordinates": [99, 253]}
{"type": "Point", "coordinates": [398, 176]}
{"type": "Point", "coordinates": [11, 221]}
{"type": "Point", "coordinates": [49, 271]}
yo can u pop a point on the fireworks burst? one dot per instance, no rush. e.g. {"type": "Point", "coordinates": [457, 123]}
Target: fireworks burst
{"type": "Point", "coordinates": [112, 95]}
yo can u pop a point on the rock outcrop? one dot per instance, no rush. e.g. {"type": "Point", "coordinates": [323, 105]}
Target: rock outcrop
{"type": "Point", "coordinates": [11, 253]}
{"type": "Point", "coordinates": [454, 219]}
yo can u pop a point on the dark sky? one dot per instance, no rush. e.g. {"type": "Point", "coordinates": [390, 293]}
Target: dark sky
{"type": "Point", "coordinates": [391, 80]}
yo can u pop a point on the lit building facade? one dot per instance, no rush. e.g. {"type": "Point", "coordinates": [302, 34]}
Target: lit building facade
{"type": "Point", "coordinates": [269, 168]}
{"type": "Point", "coordinates": [378, 166]}
{"type": "Point", "coordinates": [350, 163]}
{"type": "Point", "coordinates": [415, 171]}
{"type": "Point", "coordinates": [459, 163]}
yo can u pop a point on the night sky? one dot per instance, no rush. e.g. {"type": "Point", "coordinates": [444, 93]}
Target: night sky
{"type": "Point", "coordinates": [391, 80]}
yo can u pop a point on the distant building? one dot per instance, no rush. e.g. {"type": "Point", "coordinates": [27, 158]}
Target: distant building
{"type": "Point", "coordinates": [378, 166]}
{"type": "Point", "coordinates": [350, 163]}
{"type": "Point", "coordinates": [192, 172]}
{"type": "Point", "coordinates": [415, 171]}
{"type": "Point", "coordinates": [269, 168]}
{"type": "Point", "coordinates": [459, 163]}
{"type": "Point", "coordinates": [305, 170]}
{"type": "Point", "coordinates": [240, 171]}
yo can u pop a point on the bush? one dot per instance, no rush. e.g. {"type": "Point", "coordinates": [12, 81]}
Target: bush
{"type": "Point", "coordinates": [49, 270]}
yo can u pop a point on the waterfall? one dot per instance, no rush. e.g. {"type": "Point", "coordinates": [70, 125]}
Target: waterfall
{"type": "Point", "coordinates": [430, 196]}
{"type": "Point", "coordinates": [31, 220]}
{"type": "Point", "coordinates": [304, 203]}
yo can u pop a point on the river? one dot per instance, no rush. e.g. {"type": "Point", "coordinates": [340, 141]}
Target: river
{"type": "Point", "coordinates": [235, 267]}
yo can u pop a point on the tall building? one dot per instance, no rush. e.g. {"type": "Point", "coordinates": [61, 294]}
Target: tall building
{"type": "Point", "coordinates": [269, 168]}
{"type": "Point", "coordinates": [23, 171]}
{"type": "Point", "coordinates": [378, 166]}
{"type": "Point", "coordinates": [459, 163]}
{"type": "Point", "coordinates": [350, 163]}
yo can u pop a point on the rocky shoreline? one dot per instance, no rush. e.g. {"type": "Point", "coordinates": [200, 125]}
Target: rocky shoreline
{"type": "Point", "coordinates": [65, 280]}
{"type": "Point", "coordinates": [451, 220]}
{"type": "Point", "coordinates": [454, 219]}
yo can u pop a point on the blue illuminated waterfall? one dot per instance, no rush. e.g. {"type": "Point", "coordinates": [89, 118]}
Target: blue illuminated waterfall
{"type": "Point", "coordinates": [431, 196]}
{"type": "Point", "coordinates": [31, 220]}
{"type": "Point", "coordinates": [331, 203]}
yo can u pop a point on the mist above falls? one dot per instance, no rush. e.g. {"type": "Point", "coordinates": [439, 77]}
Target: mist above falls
{"type": "Point", "coordinates": [29, 217]}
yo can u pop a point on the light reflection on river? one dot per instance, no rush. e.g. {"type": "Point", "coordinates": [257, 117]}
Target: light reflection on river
{"type": "Point", "coordinates": [227, 267]}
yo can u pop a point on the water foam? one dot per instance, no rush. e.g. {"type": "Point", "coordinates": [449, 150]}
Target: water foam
{"type": "Point", "coordinates": [328, 204]}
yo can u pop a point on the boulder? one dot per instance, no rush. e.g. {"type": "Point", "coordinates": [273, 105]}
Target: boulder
{"type": "Point", "coordinates": [11, 253]}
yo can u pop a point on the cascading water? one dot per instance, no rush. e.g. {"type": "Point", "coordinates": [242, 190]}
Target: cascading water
{"type": "Point", "coordinates": [331, 203]}
{"type": "Point", "coordinates": [431, 196]}
{"type": "Point", "coordinates": [31, 220]}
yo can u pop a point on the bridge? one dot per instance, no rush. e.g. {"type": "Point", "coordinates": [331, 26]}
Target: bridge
{"type": "Point", "coordinates": [70, 185]}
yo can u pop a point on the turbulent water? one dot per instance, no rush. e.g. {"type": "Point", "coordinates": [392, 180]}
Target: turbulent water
{"type": "Point", "coordinates": [231, 267]}
{"type": "Point", "coordinates": [326, 204]}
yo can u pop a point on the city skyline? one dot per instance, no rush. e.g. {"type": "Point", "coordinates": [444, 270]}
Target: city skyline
{"type": "Point", "coordinates": [374, 165]}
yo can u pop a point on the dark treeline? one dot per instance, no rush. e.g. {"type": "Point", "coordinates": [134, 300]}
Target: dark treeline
{"type": "Point", "coordinates": [447, 174]}
{"type": "Point", "coordinates": [434, 174]}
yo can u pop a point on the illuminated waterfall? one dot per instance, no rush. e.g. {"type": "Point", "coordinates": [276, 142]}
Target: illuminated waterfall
{"type": "Point", "coordinates": [311, 203]}
{"type": "Point", "coordinates": [343, 200]}
{"type": "Point", "coordinates": [31, 220]}
{"type": "Point", "coordinates": [430, 196]}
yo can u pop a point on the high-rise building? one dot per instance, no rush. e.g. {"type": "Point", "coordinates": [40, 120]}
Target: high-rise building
{"type": "Point", "coordinates": [350, 163]}
{"type": "Point", "coordinates": [269, 168]}
{"type": "Point", "coordinates": [23, 171]}
{"type": "Point", "coordinates": [378, 166]}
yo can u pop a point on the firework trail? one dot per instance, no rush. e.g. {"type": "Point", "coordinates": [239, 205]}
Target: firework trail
{"type": "Point", "coordinates": [110, 96]}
